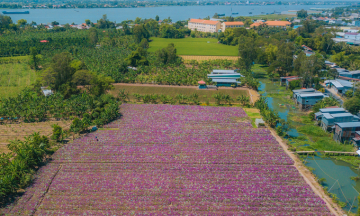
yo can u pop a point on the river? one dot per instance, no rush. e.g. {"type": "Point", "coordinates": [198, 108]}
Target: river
{"type": "Point", "coordinates": [176, 13]}
{"type": "Point", "coordinates": [337, 173]}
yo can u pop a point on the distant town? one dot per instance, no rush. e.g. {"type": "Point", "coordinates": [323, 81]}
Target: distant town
{"type": "Point", "coordinates": [134, 4]}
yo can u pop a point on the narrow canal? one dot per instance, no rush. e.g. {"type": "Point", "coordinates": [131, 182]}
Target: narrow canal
{"type": "Point", "coordinates": [337, 174]}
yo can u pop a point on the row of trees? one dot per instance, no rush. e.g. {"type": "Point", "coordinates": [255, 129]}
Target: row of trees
{"type": "Point", "coordinates": [193, 99]}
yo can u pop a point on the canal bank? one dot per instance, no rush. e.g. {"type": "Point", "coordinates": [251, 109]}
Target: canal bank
{"type": "Point", "coordinates": [331, 173]}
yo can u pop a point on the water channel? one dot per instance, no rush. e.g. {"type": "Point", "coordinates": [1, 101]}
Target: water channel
{"type": "Point", "coordinates": [337, 173]}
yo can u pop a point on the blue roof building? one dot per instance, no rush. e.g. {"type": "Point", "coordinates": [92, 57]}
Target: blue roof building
{"type": "Point", "coordinates": [339, 85]}
{"type": "Point", "coordinates": [300, 91]}
{"type": "Point", "coordinates": [328, 120]}
{"type": "Point", "coordinates": [226, 78]}
{"type": "Point", "coordinates": [307, 100]}
{"type": "Point", "coordinates": [318, 115]}
{"type": "Point", "coordinates": [351, 74]}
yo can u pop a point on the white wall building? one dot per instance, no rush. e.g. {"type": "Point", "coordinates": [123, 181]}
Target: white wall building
{"type": "Point", "coordinates": [204, 25]}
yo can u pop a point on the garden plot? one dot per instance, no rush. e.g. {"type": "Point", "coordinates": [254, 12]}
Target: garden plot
{"type": "Point", "coordinates": [172, 160]}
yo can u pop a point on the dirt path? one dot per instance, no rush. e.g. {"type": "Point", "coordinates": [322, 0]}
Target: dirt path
{"type": "Point", "coordinates": [309, 178]}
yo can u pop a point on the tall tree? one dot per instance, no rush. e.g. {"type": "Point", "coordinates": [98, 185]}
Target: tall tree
{"type": "Point", "coordinates": [34, 60]}
{"type": "Point", "coordinates": [140, 32]}
{"type": "Point", "coordinates": [247, 52]}
{"type": "Point", "coordinates": [93, 36]}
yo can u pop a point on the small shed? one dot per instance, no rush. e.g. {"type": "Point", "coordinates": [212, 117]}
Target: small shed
{"type": "Point", "coordinates": [202, 84]}
{"type": "Point", "coordinates": [284, 79]}
{"type": "Point", "coordinates": [345, 131]}
{"type": "Point", "coordinates": [356, 139]}
{"type": "Point", "coordinates": [46, 92]}
{"type": "Point", "coordinates": [259, 123]}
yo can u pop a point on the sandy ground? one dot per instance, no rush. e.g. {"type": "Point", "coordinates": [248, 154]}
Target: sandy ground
{"type": "Point", "coordinates": [309, 177]}
{"type": "Point", "coordinates": [19, 131]}
{"type": "Point", "coordinates": [204, 58]}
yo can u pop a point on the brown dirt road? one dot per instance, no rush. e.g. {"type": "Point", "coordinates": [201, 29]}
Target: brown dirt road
{"type": "Point", "coordinates": [309, 178]}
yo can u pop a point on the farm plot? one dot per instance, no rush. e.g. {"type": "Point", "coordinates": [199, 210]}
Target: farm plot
{"type": "Point", "coordinates": [172, 160]}
{"type": "Point", "coordinates": [21, 130]}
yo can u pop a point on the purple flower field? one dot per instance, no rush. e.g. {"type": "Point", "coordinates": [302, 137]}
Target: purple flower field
{"type": "Point", "coordinates": [172, 160]}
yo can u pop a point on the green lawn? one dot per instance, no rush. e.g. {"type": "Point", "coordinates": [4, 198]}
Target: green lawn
{"type": "Point", "coordinates": [195, 46]}
{"type": "Point", "coordinates": [15, 75]}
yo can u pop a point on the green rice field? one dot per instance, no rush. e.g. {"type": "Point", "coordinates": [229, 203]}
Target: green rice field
{"type": "Point", "coordinates": [195, 46]}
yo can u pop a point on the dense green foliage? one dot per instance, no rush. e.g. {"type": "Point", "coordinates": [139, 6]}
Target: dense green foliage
{"type": "Point", "coordinates": [28, 106]}
{"type": "Point", "coordinates": [20, 44]}
{"type": "Point", "coordinates": [270, 116]}
{"type": "Point", "coordinates": [18, 166]}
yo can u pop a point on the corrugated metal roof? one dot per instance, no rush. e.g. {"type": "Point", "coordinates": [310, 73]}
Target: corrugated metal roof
{"type": "Point", "coordinates": [346, 114]}
{"type": "Point", "coordinates": [336, 83]}
{"type": "Point", "coordinates": [344, 83]}
{"type": "Point", "coordinates": [304, 90]}
{"type": "Point", "coordinates": [327, 116]}
{"type": "Point", "coordinates": [224, 80]}
{"type": "Point", "coordinates": [318, 114]}
{"type": "Point", "coordinates": [225, 74]}
{"type": "Point", "coordinates": [348, 124]}
{"type": "Point", "coordinates": [311, 94]}
{"type": "Point", "coordinates": [326, 110]}
{"type": "Point", "coordinates": [224, 71]}
{"type": "Point", "coordinates": [355, 72]}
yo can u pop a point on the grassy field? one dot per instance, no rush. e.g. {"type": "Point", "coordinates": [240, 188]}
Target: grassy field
{"type": "Point", "coordinates": [195, 46]}
{"type": "Point", "coordinates": [15, 74]}
{"type": "Point", "coordinates": [173, 91]}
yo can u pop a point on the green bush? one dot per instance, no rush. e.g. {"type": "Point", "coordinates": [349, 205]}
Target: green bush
{"type": "Point", "coordinates": [18, 166]}
{"type": "Point", "coordinates": [57, 133]}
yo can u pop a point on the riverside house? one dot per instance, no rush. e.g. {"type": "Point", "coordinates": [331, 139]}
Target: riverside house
{"type": "Point", "coordinates": [346, 131]}
{"type": "Point", "coordinates": [328, 120]}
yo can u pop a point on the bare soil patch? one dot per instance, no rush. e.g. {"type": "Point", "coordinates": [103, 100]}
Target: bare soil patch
{"type": "Point", "coordinates": [21, 130]}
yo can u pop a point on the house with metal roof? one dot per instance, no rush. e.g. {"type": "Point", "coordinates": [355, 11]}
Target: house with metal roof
{"type": "Point", "coordinates": [299, 91]}
{"type": "Point", "coordinates": [226, 82]}
{"type": "Point", "coordinates": [339, 85]}
{"type": "Point", "coordinates": [226, 78]}
{"type": "Point", "coordinates": [284, 79]}
{"type": "Point", "coordinates": [351, 74]}
{"type": "Point", "coordinates": [307, 100]}
{"type": "Point", "coordinates": [345, 131]}
{"type": "Point", "coordinates": [356, 139]}
{"type": "Point", "coordinates": [224, 71]}
{"type": "Point", "coordinates": [222, 76]}
{"type": "Point", "coordinates": [318, 115]}
{"type": "Point", "coordinates": [328, 120]}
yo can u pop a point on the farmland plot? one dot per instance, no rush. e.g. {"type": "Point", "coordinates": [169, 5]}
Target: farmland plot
{"type": "Point", "coordinates": [172, 160]}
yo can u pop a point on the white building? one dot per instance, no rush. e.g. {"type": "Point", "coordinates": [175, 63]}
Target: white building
{"type": "Point", "coordinates": [204, 25]}
{"type": "Point", "coordinates": [226, 25]}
